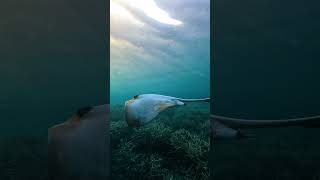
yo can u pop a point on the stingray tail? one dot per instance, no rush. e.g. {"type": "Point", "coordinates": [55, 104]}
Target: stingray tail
{"type": "Point", "coordinates": [311, 122]}
{"type": "Point", "coordinates": [229, 128]}
{"type": "Point", "coordinates": [194, 100]}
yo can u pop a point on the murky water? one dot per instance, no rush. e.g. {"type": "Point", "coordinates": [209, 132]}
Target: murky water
{"type": "Point", "coordinates": [265, 67]}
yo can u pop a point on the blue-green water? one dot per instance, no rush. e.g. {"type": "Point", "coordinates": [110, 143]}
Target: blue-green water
{"type": "Point", "coordinates": [160, 58]}
{"type": "Point", "coordinates": [168, 57]}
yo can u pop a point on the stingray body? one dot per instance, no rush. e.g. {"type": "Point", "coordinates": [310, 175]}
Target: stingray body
{"type": "Point", "coordinates": [79, 147]}
{"type": "Point", "coordinates": [142, 109]}
{"type": "Point", "coordinates": [229, 128]}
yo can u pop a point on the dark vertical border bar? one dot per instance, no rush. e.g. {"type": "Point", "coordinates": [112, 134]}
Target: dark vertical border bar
{"type": "Point", "coordinates": [78, 146]}
{"type": "Point", "coordinates": [212, 60]}
{"type": "Point", "coordinates": [264, 63]}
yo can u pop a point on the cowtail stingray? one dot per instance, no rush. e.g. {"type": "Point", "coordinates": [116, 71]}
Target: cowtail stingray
{"type": "Point", "coordinates": [229, 128]}
{"type": "Point", "coordinates": [143, 108]}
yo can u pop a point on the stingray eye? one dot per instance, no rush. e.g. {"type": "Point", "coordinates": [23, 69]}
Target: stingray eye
{"type": "Point", "coordinates": [135, 97]}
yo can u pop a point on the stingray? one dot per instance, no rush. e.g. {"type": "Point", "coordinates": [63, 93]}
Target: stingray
{"type": "Point", "coordinates": [142, 109]}
{"type": "Point", "coordinates": [229, 128]}
{"type": "Point", "coordinates": [79, 147]}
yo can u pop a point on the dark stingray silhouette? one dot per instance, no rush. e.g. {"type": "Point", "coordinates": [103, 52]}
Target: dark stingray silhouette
{"type": "Point", "coordinates": [79, 148]}
{"type": "Point", "coordinates": [229, 128]}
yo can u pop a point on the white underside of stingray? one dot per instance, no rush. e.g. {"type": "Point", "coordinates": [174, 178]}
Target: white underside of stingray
{"type": "Point", "coordinates": [144, 108]}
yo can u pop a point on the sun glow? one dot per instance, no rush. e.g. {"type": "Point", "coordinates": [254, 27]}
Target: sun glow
{"type": "Point", "coordinates": [117, 12]}
{"type": "Point", "coordinates": [149, 8]}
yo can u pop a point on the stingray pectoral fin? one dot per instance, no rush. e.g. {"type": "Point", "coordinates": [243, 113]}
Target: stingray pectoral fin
{"type": "Point", "coordinates": [179, 103]}
{"type": "Point", "coordinates": [161, 106]}
{"type": "Point", "coordinates": [76, 147]}
{"type": "Point", "coordinates": [223, 132]}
